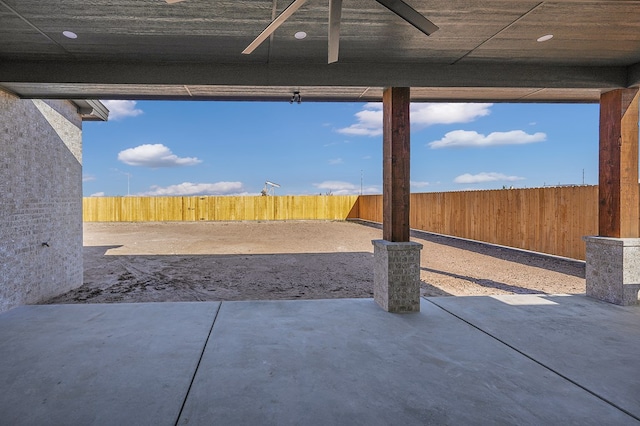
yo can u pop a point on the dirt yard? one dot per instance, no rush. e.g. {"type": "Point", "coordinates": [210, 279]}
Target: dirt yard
{"type": "Point", "coordinates": [178, 261]}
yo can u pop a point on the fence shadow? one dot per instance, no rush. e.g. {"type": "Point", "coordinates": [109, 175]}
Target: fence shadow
{"type": "Point", "coordinates": [430, 290]}
{"type": "Point", "coordinates": [486, 282]}
{"type": "Point", "coordinates": [572, 267]}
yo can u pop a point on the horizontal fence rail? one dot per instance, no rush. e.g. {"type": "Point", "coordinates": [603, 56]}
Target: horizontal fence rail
{"type": "Point", "coordinates": [219, 208]}
{"type": "Point", "coordinates": [547, 220]}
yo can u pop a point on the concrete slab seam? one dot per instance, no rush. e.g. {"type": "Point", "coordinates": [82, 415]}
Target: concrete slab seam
{"type": "Point", "coordinates": [195, 371]}
{"type": "Point", "coordinates": [536, 361]}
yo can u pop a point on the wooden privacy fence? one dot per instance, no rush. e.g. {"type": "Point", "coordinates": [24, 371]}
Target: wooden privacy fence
{"type": "Point", "coordinates": [164, 209]}
{"type": "Point", "coordinates": [547, 220]}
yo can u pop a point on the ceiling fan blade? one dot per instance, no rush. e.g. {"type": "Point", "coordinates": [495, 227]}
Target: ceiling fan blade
{"type": "Point", "coordinates": [410, 15]}
{"type": "Point", "coordinates": [173, 1]}
{"type": "Point", "coordinates": [335, 13]}
{"type": "Point", "coordinates": [274, 26]}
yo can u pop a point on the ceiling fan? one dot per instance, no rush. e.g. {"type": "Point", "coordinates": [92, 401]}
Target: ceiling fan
{"type": "Point", "coordinates": [399, 7]}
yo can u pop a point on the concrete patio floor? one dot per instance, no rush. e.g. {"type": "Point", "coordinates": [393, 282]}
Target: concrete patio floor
{"type": "Point", "coordinates": [523, 359]}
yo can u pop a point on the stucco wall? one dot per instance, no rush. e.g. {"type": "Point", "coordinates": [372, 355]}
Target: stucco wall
{"type": "Point", "coordinates": [40, 200]}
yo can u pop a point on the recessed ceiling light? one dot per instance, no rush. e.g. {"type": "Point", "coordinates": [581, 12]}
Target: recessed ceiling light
{"type": "Point", "coordinates": [545, 37]}
{"type": "Point", "coordinates": [69, 34]}
{"type": "Point", "coordinates": [300, 35]}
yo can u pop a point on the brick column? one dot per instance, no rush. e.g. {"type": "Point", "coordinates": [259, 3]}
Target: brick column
{"type": "Point", "coordinates": [613, 269]}
{"type": "Point", "coordinates": [396, 276]}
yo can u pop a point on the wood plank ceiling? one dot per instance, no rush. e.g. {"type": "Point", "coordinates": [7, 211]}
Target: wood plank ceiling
{"type": "Point", "coordinates": [484, 50]}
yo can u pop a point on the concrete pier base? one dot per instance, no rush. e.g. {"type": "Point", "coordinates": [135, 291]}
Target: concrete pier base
{"type": "Point", "coordinates": [396, 276]}
{"type": "Point", "coordinates": [613, 269]}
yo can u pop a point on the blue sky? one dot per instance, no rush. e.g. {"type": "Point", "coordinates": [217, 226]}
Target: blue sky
{"type": "Point", "coordinates": [229, 148]}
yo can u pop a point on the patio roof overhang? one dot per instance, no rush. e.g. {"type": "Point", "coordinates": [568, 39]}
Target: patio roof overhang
{"type": "Point", "coordinates": [339, 82]}
{"type": "Point", "coordinates": [484, 50]}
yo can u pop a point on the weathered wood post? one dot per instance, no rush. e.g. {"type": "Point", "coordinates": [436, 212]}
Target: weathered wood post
{"type": "Point", "coordinates": [397, 260]}
{"type": "Point", "coordinates": [613, 257]}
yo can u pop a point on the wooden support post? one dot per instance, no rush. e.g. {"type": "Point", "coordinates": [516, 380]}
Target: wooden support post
{"type": "Point", "coordinates": [619, 197]}
{"type": "Point", "coordinates": [613, 267]}
{"type": "Point", "coordinates": [396, 159]}
{"type": "Point", "coordinates": [396, 275]}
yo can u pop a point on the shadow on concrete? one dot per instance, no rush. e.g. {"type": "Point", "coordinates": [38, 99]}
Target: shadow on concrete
{"type": "Point", "coordinates": [567, 266]}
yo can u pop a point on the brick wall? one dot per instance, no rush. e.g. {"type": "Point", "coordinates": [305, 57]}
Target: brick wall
{"type": "Point", "coordinates": [40, 200]}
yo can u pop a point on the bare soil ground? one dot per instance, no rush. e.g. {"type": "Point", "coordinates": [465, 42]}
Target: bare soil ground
{"type": "Point", "coordinates": [178, 261]}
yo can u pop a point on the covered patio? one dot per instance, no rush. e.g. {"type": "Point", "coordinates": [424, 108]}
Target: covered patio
{"type": "Point", "coordinates": [362, 50]}
{"type": "Point", "coordinates": [474, 360]}
{"type": "Point", "coordinates": [520, 359]}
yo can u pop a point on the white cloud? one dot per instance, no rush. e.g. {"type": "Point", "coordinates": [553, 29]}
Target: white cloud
{"type": "Point", "coordinates": [471, 138]}
{"type": "Point", "coordinates": [335, 161]}
{"type": "Point", "coordinates": [417, 184]}
{"type": "Point", "coordinates": [154, 155]}
{"type": "Point", "coordinates": [429, 114]}
{"type": "Point", "coordinates": [188, 188]}
{"type": "Point", "coordinates": [121, 109]}
{"type": "Point", "coordinates": [88, 178]}
{"type": "Point", "coordinates": [337, 187]}
{"type": "Point", "coordinates": [97, 194]}
{"type": "Point", "coordinates": [485, 177]}
{"type": "Point", "coordinates": [369, 120]}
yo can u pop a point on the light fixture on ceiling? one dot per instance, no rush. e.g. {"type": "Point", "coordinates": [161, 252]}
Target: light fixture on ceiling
{"type": "Point", "coordinates": [300, 35]}
{"type": "Point", "coordinates": [544, 38]}
{"type": "Point", "coordinates": [296, 98]}
{"type": "Point", "coordinates": [70, 34]}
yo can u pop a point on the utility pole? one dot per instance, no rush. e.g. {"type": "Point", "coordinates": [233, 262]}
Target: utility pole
{"type": "Point", "coordinates": [361, 177]}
